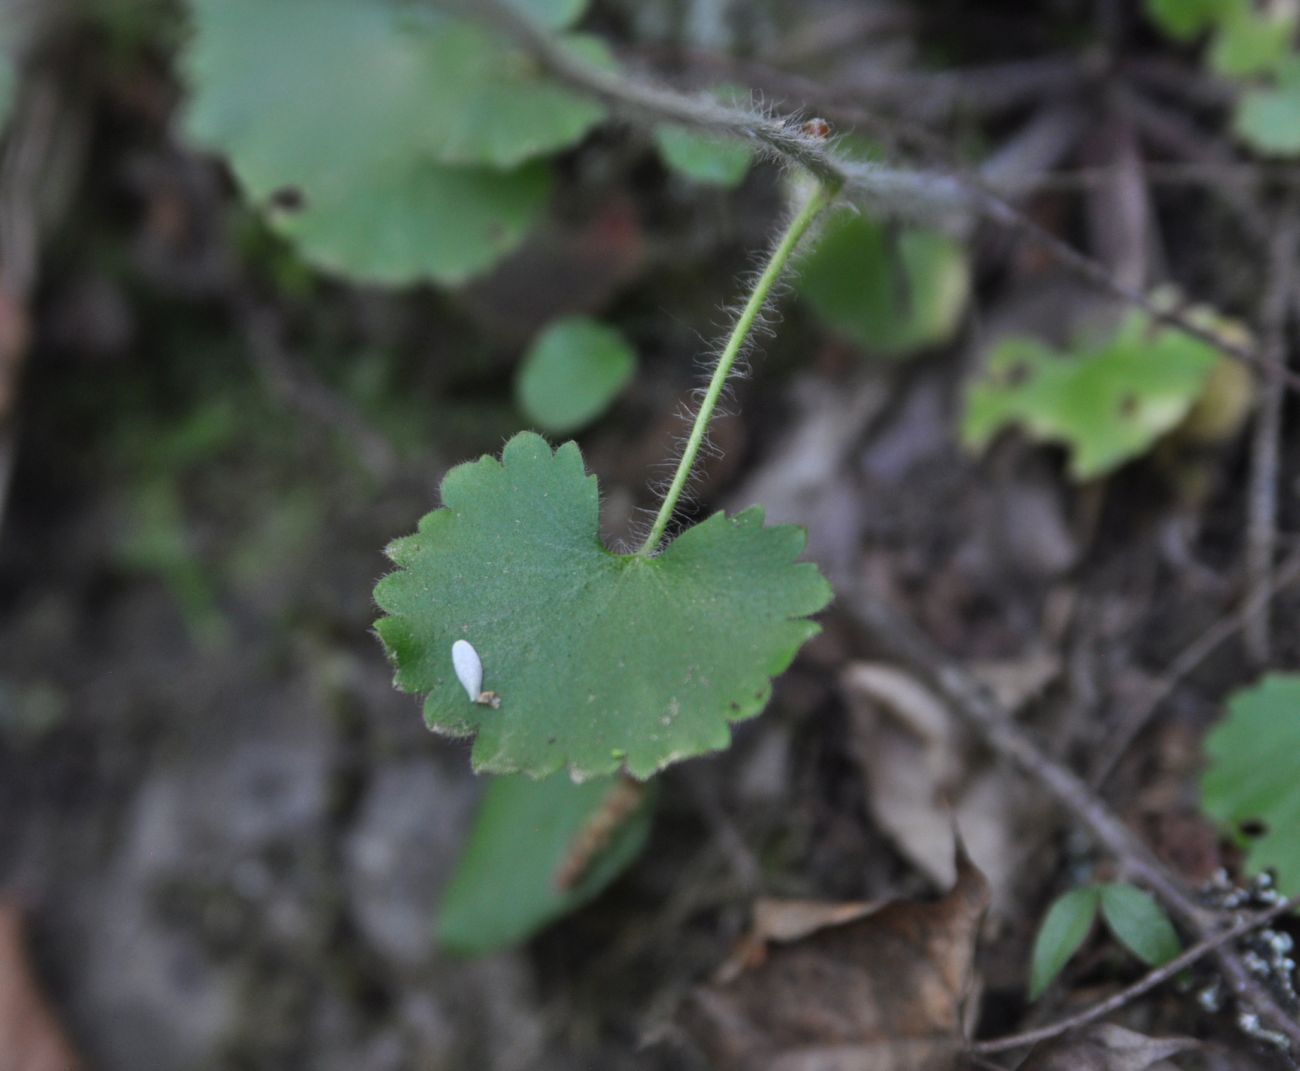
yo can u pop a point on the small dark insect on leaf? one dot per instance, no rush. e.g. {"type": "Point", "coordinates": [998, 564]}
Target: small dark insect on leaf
{"type": "Point", "coordinates": [288, 199]}
{"type": "Point", "coordinates": [1253, 828]}
{"type": "Point", "coordinates": [817, 128]}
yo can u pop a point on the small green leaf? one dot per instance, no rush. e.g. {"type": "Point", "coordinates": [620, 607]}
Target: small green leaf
{"type": "Point", "coordinates": [572, 373]}
{"type": "Point", "coordinates": [1249, 42]}
{"type": "Point", "coordinates": [413, 166]}
{"type": "Point", "coordinates": [1064, 929]}
{"type": "Point", "coordinates": [1107, 404]}
{"type": "Point", "coordinates": [711, 160]}
{"type": "Point", "coordinates": [504, 888]}
{"type": "Point", "coordinates": [1268, 117]}
{"type": "Point", "coordinates": [891, 292]}
{"type": "Point", "coordinates": [1184, 20]}
{"type": "Point", "coordinates": [1139, 924]}
{"type": "Point", "coordinates": [1252, 775]}
{"type": "Point", "coordinates": [705, 158]}
{"type": "Point", "coordinates": [600, 660]}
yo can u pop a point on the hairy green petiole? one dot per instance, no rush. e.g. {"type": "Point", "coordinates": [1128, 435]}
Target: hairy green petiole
{"type": "Point", "coordinates": [802, 220]}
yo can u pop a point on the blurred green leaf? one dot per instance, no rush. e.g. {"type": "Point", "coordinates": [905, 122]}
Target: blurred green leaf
{"type": "Point", "coordinates": [1251, 42]}
{"type": "Point", "coordinates": [573, 371]}
{"type": "Point", "coordinates": [600, 660]}
{"type": "Point", "coordinates": [1252, 775]}
{"type": "Point", "coordinates": [504, 888]}
{"type": "Point", "coordinates": [1106, 403]}
{"type": "Point", "coordinates": [1185, 19]}
{"type": "Point", "coordinates": [1064, 929]}
{"type": "Point", "coordinates": [1139, 924]}
{"type": "Point", "coordinates": [1268, 117]}
{"type": "Point", "coordinates": [702, 157]}
{"type": "Point", "coordinates": [892, 297]}
{"type": "Point", "coordinates": [414, 165]}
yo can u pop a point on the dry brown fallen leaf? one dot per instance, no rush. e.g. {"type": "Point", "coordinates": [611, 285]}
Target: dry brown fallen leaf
{"type": "Point", "coordinates": [1106, 1047]}
{"type": "Point", "coordinates": [30, 1038]}
{"type": "Point", "coordinates": [922, 767]}
{"type": "Point", "coordinates": [883, 991]}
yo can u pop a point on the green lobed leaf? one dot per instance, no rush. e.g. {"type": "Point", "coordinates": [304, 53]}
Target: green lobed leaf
{"type": "Point", "coordinates": [573, 371]}
{"type": "Point", "coordinates": [1252, 775]}
{"type": "Point", "coordinates": [1065, 927]}
{"type": "Point", "coordinates": [1184, 20]}
{"type": "Point", "coordinates": [893, 293]}
{"type": "Point", "coordinates": [1139, 923]}
{"type": "Point", "coordinates": [702, 157]}
{"type": "Point", "coordinates": [503, 889]}
{"type": "Point", "coordinates": [601, 660]}
{"type": "Point", "coordinates": [1107, 403]}
{"type": "Point", "coordinates": [402, 136]}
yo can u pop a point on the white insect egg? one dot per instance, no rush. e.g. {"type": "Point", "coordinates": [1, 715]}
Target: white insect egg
{"type": "Point", "coordinates": [469, 668]}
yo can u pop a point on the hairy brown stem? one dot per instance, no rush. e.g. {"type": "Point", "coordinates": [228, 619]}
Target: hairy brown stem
{"type": "Point", "coordinates": [904, 192]}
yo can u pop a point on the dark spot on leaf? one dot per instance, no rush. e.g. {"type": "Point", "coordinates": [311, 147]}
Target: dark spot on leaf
{"type": "Point", "coordinates": [1128, 406]}
{"type": "Point", "coordinates": [1253, 828]}
{"type": "Point", "coordinates": [1017, 374]}
{"type": "Point", "coordinates": [288, 199]}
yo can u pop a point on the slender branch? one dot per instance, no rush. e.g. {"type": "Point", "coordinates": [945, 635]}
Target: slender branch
{"type": "Point", "coordinates": [803, 219]}
{"type": "Point", "coordinates": [1143, 985]}
{"type": "Point", "coordinates": [1261, 525]}
{"type": "Point", "coordinates": [970, 701]}
{"type": "Point", "coordinates": [1187, 661]}
{"type": "Point", "coordinates": [919, 194]}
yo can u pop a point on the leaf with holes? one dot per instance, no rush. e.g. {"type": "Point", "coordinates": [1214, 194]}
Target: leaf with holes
{"type": "Point", "coordinates": [572, 372]}
{"type": "Point", "coordinates": [1065, 927]}
{"type": "Point", "coordinates": [893, 292]}
{"type": "Point", "coordinates": [1251, 780]}
{"type": "Point", "coordinates": [419, 164]}
{"type": "Point", "coordinates": [1106, 404]}
{"type": "Point", "coordinates": [506, 885]}
{"type": "Point", "coordinates": [1139, 923]}
{"type": "Point", "coordinates": [599, 660]}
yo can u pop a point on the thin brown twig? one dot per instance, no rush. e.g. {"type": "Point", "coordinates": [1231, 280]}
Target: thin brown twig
{"type": "Point", "coordinates": [1143, 985]}
{"type": "Point", "coordinates": [970, 701]}
{"type": "Point", "coordinates": [903, 192]}
{"type": "Point", "coordinates": [1261, 524]}
{"type": "Point", "coordinates": [1186, 663]}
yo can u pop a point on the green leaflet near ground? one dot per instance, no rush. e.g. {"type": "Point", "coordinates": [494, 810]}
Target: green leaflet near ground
{"type": "Point", "coordinates": [393, 144]}
{"type": "Point", "coordinates": [1139, 923]}
{"type": "Point", "coordinates": [504, 888]}
{"type": "Point", "coordinates": [600, 660]}
{"type": "Point", "coordinates": [1132, 916]}
{"type": "Point", "coordinates": [1064, 929]}
{"type": "Point", "coordinates": [573, 371]}
{"type": "Point", "coordinates": [1106, 404]}
{"type": "Point", "coordinates": [1252, 775]}
{"type": "Point", "coordinates": [891, 292]}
